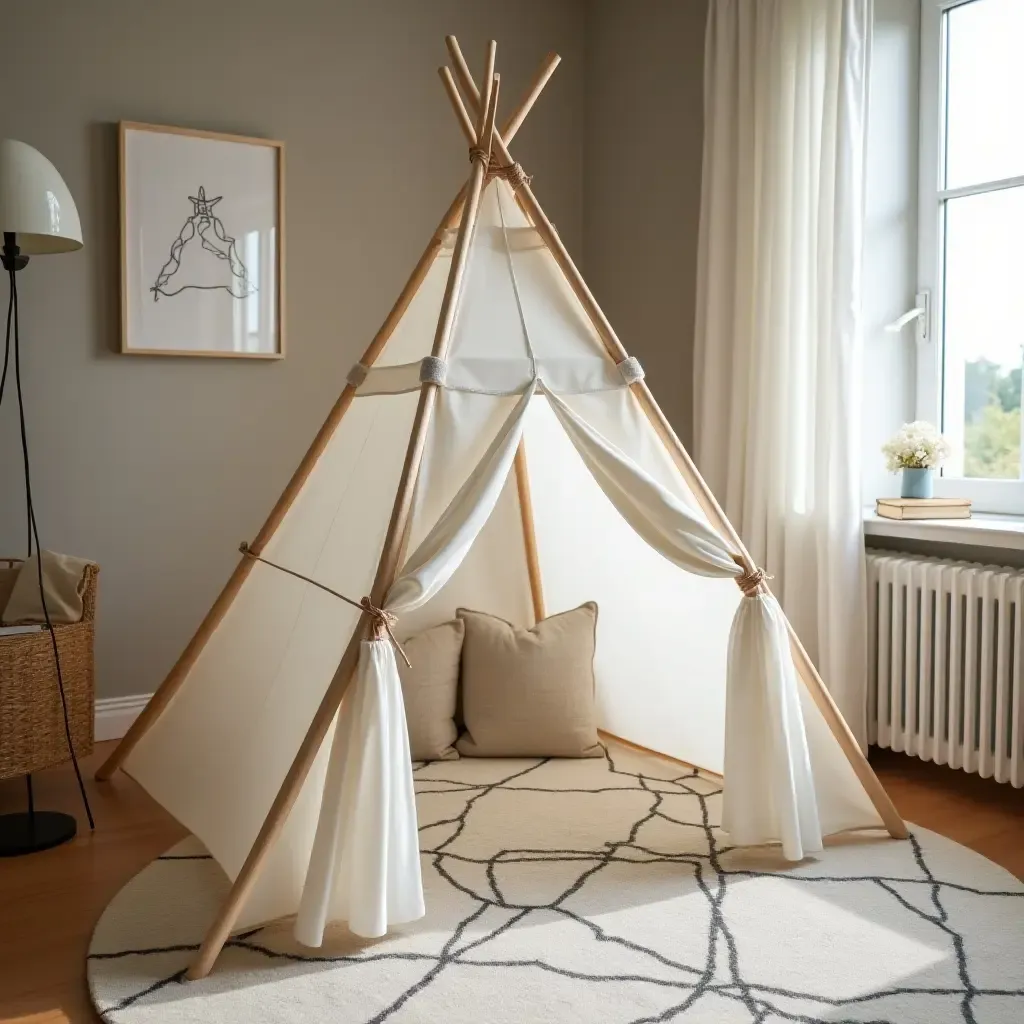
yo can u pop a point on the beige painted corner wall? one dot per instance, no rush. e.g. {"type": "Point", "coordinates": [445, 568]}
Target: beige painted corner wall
{"type": "Point", "coordinates": [642, 183]}
{"type": "Point", "coordinates": [157, 468]}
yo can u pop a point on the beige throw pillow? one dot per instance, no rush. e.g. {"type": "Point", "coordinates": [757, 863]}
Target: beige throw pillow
{"type": "Point", "coordinates": [63, 584]}
{"type": "Point", "coordinates": [8, 577]}
{"type": "Point", "coordinates": [430, 689]}
{"type": "Point", "coordinates": [529, 692]}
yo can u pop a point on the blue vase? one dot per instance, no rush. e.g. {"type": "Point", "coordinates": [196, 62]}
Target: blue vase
{"type": "Point", "coordinates": [917, 483]}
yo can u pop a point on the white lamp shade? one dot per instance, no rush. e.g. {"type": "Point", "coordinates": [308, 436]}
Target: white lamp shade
{"type": "Point", "coordinates": [35, 203]}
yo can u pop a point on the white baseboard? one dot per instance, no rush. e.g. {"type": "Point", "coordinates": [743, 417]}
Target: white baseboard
{"type": "Point", "coordinates": [115, 714]}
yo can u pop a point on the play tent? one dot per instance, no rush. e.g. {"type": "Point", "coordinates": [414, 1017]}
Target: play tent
{"type": "Point", "coordinates": [495, 448]}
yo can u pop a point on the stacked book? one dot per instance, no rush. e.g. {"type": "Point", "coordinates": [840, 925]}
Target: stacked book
{"type": "Point", "coordinates": [19, 630]}
{"type": "Point", "coordinates": [924, 508]}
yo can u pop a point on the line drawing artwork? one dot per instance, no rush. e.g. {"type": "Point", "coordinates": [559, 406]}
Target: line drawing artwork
{"type": "Point", "coordinates": [211, 264]}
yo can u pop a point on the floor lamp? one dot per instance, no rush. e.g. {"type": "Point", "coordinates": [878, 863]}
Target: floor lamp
{"type": "Point", "coordinates": [37, 217]}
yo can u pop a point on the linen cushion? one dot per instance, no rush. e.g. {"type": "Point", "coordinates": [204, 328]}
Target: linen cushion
{"type": "Point", "coordinates": [63, 584]}
{"type": "Point", "coordinates": [430, 690]}
{"type": "Point", "coordinates": [8, 577]}
{"type": "Point", "coordinates": [529, 692]}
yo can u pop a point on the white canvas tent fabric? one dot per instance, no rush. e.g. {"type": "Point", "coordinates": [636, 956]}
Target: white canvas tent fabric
{"type": "Point", "coordinates": [685, 665]}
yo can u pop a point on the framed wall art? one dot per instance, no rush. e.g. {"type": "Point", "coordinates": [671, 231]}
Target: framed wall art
{"type": "Point", "coordinates": [202, 243]}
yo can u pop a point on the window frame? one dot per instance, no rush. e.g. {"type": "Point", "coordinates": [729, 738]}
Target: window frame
{"type": "Point", "coordinates": [1001, 496]}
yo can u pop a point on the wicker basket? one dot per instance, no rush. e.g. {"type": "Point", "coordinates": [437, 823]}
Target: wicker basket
{"type": "Point", "coordinates": [32, 733]}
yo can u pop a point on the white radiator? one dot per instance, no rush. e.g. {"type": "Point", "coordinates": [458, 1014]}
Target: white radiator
{"type": "Point", "coordinates": [946, 662]}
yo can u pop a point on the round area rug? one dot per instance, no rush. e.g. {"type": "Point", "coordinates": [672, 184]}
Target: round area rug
{"type": "Point", "coordinates": [594, 891]}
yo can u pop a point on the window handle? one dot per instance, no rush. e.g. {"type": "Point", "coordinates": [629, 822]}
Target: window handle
{"type": "Point", "coordinates": [920, 313]}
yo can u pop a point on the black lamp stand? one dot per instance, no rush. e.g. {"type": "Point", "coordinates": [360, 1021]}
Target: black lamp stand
{"type": "Point", "coordinates": [30, 831]}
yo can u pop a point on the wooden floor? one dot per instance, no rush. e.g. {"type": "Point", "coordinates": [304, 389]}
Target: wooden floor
{"type": "Point", "coordinates": [49, 901]}
{"type": "Point", "coordinates": [987, 816]}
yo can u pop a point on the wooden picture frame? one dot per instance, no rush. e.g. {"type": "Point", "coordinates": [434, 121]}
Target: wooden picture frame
{"type": "Point", "coordinates": [201, 281]}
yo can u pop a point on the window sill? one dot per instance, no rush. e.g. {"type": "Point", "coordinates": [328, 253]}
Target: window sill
{"type": "Point", "coordinates": [982, 530]}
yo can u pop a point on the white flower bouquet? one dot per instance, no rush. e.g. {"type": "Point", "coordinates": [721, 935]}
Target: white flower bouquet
{"type": "Point", "coordinates": [917, 445]}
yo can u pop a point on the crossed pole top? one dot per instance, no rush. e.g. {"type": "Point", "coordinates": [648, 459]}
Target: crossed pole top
{"type": "Point", "coordinates": [491, 145]}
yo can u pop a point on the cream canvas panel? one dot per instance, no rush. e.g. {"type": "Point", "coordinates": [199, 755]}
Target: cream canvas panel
{"type": "Point", "coordinates": [662, 634]}
{"type": "Point", "coordinates": [558, 326]}
{"type": "Point", "coordinates": [487, 323]}
{"type": "Point", "coordinates": [217, 756]}
{"type": "Point", "coordinates": [413, 336]}
{"type": "Point", "coordinates": [489, 351]}
{"type": "Point", "coordinates": [842, 801]}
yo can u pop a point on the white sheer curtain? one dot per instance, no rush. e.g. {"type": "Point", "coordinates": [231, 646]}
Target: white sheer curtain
{"type": "Point", "coordinates": [778, 347]}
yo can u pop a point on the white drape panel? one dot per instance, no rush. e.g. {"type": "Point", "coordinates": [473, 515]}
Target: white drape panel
{"type": "Point", "coordinates": [441, 552]}
{"type": "Point", "coordinates": [777, 361]}
{"type": "Point", "coordinates": [769, 793]}
{"type": "Point", "coordinates": [364, 866]}
{"type": "Point", "coordinates": [765, 738]}
{"type": "Point", "coordinates": [652, 510]}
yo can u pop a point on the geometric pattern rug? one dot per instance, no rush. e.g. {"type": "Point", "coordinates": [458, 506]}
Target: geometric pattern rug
{"type": "Point", "coordinates": [592, 891]}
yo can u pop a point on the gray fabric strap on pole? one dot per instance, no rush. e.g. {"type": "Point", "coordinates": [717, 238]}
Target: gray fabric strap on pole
{"type": "Point", "coordinates": [631, 370]}
{"type": "Point", "coordinates": [433, 370]}
{"type": "Point", "coordinates": [357, 374]}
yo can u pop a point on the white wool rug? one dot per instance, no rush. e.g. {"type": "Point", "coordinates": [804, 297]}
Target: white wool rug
{"type": "Point", "coordinates": [594, 891]}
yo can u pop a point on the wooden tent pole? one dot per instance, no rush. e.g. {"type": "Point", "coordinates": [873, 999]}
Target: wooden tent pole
{"type": "Point", "coordinates": [521, 468]}
{"type": "Point", "coordinates": [461, 114]}
{"type": "Point", "coordinates": [515, 121]}
{"type": "Point", "coordinates": [808, 672]}
{"type": "Point", "coordinates": [387, 570]}
{"type": "Point", "coordinates": [529, 533]}
{"type": "Point", "coordinates": [181, 668]}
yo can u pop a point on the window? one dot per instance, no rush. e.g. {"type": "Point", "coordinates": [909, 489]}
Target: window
{"type": "Point", "coordinates": [971, 245]}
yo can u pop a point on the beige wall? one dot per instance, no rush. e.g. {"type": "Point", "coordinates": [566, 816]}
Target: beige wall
{"type": "Point", "coordinates": [157, 468]}
{"type": "Point", "coordinates": [642, 183]}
